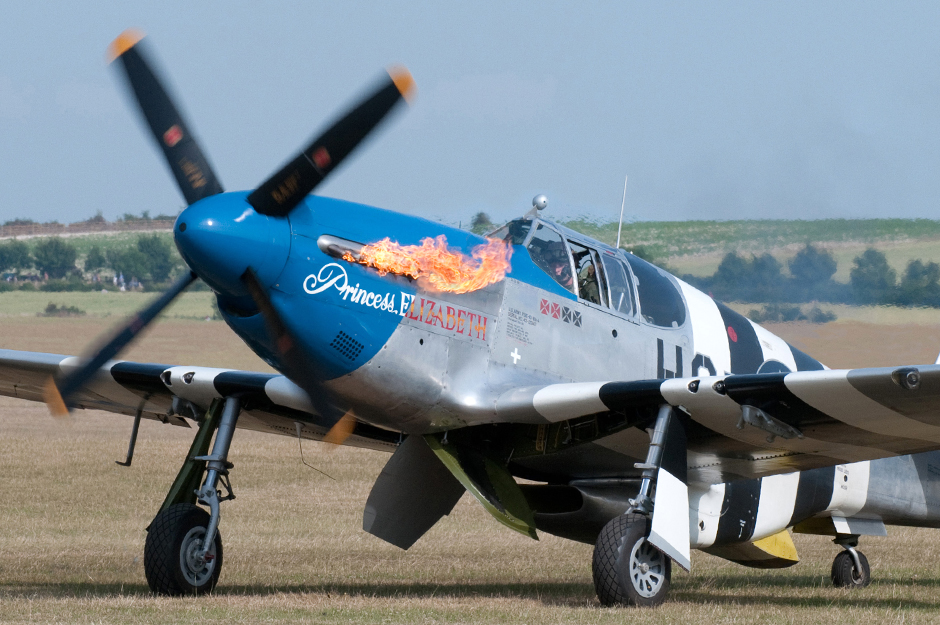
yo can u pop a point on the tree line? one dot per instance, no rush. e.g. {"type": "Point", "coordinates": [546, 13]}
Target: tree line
{"type": "Point", "coordinates": [760, 278]}
{"type": "Point", "coordinates": [55, 259]}
{"type": "Point", "coordinates": [97, 218]}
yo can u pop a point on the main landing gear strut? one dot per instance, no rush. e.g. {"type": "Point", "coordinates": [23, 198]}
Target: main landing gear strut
{"type": "Point", "coordinates": [183, 551]}
{"type": "Point", "coordinates": [627, 568]}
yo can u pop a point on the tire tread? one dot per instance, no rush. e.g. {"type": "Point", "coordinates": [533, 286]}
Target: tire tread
{"type": "Point", "coordinates": [159, 562]}
{"type": "Point", "coordinates": [842, 567]}
{"type": "Point", "coordinates": [163, 546]}
{"type": "Point", "coordinates": [615, 542]}
{"type": "Point", "coordinates": [604, 562]}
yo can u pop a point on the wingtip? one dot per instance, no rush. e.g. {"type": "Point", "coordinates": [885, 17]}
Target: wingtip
{"type": "Point", "coordinates": [403, 81]}
{"type": "Point", "coordinates": [54, 400]}
{"type": "Point", "coordinates": [124, 42]}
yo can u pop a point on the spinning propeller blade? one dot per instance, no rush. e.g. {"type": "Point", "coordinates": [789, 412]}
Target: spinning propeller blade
{"type": "Point", "coordinates": [297, 364]}
{"type": "Point", "coordinates": [342, 430]}
{"type": "Point", "coordinates": [59, 392]}
{"type": "Point", "coordinates": [280, 193]}
{"type": "Point", "coordinates": [194, 177]}
{"type": "Point", "coordinates": [193, 174]}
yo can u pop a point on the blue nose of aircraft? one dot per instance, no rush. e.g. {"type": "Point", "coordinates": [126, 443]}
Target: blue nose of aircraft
{"type": "Point", "coordinates": [221, 236]}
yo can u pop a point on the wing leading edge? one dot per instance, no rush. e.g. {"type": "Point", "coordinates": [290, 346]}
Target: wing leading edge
{"type": "Point", "coordinates": [175, 394]}
{"type": "Point", "coordinates": [748, 426]}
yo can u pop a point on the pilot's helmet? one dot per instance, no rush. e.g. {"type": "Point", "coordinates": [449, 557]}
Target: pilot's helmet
{"type": "Point", "coordinates": [555, 253]}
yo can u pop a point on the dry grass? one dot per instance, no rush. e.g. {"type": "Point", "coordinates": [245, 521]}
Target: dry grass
{"type": "Point", "coordinates": [72, 527]}
{"type": "Point", "coordinates": [865, 336]}
{"type": "Point", "coordinates": [190, 305]}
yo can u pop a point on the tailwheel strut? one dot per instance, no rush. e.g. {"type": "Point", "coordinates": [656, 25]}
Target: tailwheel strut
{"type": "Point", "coordinates": [183, 551]}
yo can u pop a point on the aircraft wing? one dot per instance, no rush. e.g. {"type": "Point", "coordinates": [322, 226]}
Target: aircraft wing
{"type": "Point", "coordinates": [176, 394]}
{"type": "Point", "coordinates": [748, 426]}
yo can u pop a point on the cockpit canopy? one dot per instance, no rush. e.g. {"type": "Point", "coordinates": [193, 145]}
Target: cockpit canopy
{"type": "Point", "coordinates": [598, 275]}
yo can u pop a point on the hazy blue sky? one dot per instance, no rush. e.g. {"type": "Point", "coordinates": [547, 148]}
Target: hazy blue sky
{"type": "Point", "coordinates": [715, 110]}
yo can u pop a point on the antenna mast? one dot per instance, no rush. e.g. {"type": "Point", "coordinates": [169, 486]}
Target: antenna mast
{"type": "Point", "coordinates": [622, 202]}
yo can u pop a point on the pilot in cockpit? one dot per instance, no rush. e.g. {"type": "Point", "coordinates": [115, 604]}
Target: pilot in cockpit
{"type": "Point", "coordinates": [587, 283]}
{"type": "Point", "coordinates": [555, 261]}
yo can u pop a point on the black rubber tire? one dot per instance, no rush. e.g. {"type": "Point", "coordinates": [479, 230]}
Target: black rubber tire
{"type": "Point", "coordinates": [844, 574]}
{"type": "Point", "coordinates": [163, 562]}
{"type": "Point", "coordinates": [611, 563]}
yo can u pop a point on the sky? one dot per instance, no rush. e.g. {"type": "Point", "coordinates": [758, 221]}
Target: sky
{"type": "Point", "coordinates": [715, 110]}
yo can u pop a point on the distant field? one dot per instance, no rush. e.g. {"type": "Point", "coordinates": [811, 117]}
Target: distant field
{"type": "Point", "coordinates": [875, 315]}
{"type": "Point", "coordinates": [113, 240]}
{"type": "Point", "coordinates": [105, 240]}
{"type": "Point", "coordinates": [678, 238]}
{"type": "Point", "coordinates": [898, 253]}
{"type": "Point", "coordinates": [697, 247]}
{"type": "Point", "coordinates": [192, 305]}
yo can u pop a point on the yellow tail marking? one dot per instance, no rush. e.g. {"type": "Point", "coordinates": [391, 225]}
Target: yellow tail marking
{"type": "Point", "coordinates": [780, 545]}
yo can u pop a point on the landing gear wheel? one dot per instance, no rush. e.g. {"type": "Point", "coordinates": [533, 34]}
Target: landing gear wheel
{"type": "Point", "coordinates": [170, 561]}
{"type": "Point", "coordinates": [844, 573]}
{"type": "Point", "coordinates": [628, 570]}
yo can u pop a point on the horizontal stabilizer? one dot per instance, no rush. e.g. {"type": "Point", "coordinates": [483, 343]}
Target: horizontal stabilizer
{"type": "Point", "coordinates": [411, 494]}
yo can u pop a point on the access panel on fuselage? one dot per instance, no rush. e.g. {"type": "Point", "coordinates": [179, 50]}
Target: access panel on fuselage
{"type": "Point", "coordinates": [569, 340]}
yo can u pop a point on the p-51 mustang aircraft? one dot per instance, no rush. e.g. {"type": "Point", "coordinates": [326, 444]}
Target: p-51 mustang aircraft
{"type": "Point", "coordinates": [645, 418]}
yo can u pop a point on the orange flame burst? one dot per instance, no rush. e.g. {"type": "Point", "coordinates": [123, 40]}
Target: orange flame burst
{"type": "Point", "coordinates": [435, 266]}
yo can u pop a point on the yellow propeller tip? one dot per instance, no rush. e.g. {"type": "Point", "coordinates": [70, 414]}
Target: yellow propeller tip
{"type": "Point", "coordinates": [341, 430]}
{"type": "Point", "coordinates": [54, 400]}
{"type": "Point", "coordinates": [124, 42]}
{"type": "Point", "coordinates": [403, 81]}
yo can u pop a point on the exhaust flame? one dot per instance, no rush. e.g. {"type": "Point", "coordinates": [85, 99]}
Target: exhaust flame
{"type": "Point", "coordinates": [435, 266]}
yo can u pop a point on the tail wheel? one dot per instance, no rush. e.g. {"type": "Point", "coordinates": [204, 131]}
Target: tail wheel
{"type": "Point", "coordinates": [846, 575]}
{"type": "Point", "coordinates": [171, 560]}
{"type": "Point", "coordinates": [628, 570]}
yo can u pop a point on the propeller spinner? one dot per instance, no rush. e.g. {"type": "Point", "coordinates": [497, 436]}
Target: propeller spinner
{"type": "Point", "coordinates": [200, 239]}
